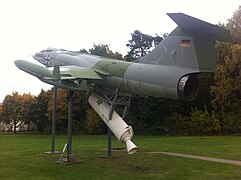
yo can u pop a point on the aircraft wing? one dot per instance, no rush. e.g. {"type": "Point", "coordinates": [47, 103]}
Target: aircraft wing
{"type": "Point", "coordinates": [73, 72]}
{"type": "Point", "coordinates": [81, 74]}
{"type": "Point", "coordinates": [58, 72]}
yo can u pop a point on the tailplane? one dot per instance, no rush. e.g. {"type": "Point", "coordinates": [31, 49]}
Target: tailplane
{"type": "Point", "coordinates": [190, 45]}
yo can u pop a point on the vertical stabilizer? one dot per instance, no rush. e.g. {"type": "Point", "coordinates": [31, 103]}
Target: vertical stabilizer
{"type": "Point", "coordinates": [190, 45]}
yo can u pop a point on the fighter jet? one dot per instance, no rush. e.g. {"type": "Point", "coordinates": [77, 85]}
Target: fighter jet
{"type": "Point", "coordinates": [171, 70]}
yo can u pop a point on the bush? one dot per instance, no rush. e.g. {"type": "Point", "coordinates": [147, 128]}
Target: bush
{"type": "Point", "coordinates": [205, 123]}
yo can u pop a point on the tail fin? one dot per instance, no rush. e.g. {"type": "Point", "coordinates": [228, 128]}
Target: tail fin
{"type": "Point", "coordinates": [191, 44]}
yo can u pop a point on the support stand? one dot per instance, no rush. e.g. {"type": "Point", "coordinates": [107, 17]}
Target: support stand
{"type": "Point", "coordinates": [53, 123]}
{"type": "Point", "coordinates": [69, 159]}
{"type": "Point", "coordinates": [114, 100]}
{"type": "Point", "coordinates": [70, 113]}
{"type": "Point", "coordinates": [116, 124]}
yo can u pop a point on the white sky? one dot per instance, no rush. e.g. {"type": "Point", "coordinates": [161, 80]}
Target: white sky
{"type": "Point", "coordinates": [28, 26]}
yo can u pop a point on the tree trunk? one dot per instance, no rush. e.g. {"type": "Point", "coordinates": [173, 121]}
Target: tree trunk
{"type": "Point", "coordinates": [14, 128]}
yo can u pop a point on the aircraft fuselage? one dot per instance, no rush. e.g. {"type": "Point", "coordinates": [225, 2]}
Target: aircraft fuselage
{"type": "Point", "coordinates": [133, 78]}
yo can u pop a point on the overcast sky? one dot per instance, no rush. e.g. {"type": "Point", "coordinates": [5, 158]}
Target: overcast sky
{"type": "Point", "coordinates": [28, 26]}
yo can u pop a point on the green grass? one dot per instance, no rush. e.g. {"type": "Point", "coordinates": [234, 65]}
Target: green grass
{"type": "Point", "coordinates": [21, 158]}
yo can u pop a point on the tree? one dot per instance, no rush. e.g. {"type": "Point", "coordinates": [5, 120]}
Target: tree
{"type": "Point", "coordinates": [153, 115]}
{"type": "Point", "coordinates": [234, 25]}
{"type": "Point", "coordinates": [16, 109]}
{"type": "Point", "coordinates": [80, 106]}
{"type": "Point", "coordinates": [61, 110]}
{"type": "Point", "coordinates": [141, 44]}
{"type": "Point", "coordinates": [226, 91]}
{"type": "Point", "coordinates": [83, 51]}
{"type": "Point", "coordinates": [94, 125]}
{"type": "Point", "coordinates": [11, 110]}
{"type": "Point", "coordinates": [27, 107]}
{"type": "Point", "coordinates": [103, 50]}
{"type": "Point", "coordinates": [40, 110]}
{"type": "Point", "coordinates": [1, 113]}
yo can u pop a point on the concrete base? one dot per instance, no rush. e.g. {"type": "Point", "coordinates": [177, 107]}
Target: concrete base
{"type": "Point", "coordinates": [50, 152]}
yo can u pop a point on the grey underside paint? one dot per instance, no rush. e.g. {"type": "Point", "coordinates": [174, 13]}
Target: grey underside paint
{"type": "Point", "coordinates": [82, 60]}
{"type": "Point", "coordinates": [160, 81]}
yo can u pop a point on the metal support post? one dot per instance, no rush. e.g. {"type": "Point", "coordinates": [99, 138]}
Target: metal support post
{"type": "Point", "coordinates": [54, 119]}
{"type": "Point", "coordinates": [69, 159]}
{"type": "Point", "coordinates": [70, 113]}
{"type": "Point", "coordinates": [55, 93]}
{"type": "Point", "coordinates": [109, 142]}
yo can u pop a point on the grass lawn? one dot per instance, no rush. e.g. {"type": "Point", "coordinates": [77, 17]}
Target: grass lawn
{"type": "Point", "coordinates": [21, 158]}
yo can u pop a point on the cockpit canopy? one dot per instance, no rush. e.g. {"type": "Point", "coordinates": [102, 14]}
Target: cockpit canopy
{"type": "Point", "coordinates": [47, 56]}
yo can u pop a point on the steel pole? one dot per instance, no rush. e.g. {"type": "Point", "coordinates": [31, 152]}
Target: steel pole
{"type": "Point", "coordinates": [70, 113]}
{"type": "Point", "coordinates": [54, 119]}
{"type": "Point", "coordinates": [109, 142]}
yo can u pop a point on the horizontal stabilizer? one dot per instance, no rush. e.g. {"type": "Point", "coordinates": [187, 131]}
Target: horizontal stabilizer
{"type": "Point", "coordinates": [189, 23]}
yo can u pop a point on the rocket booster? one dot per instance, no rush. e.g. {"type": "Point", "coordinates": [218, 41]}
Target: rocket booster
{"type": "Point", "coordinates": [117, 125]}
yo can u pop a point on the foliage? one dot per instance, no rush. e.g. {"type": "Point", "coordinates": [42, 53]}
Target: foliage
{"type": "Point", "coordinates": [178, 124]}
{"type": "Point", "coordinates": [203, 123]}
{"type": "Point", "coordinates": [155, 114]}
{"type": "Point", "coordinates": [61, 110]}
{"type": "Point", "coordinates": [1, 113]}
{"type": "Point", "coordinates": [80, 106]}
{"type": "Point", "coordinates": [40, 109]}
{"type": "Point", "coordinates": [227, 85]}
{"type": "Point", "coordinates": [141, 44]}
{"type": "Point", "coordinates": [94, 124]}
{"type": "Point", "coordinates": [234, 25]}
{"type": "Point", "coordinates": [27, 103]}
{"type": "Point", "coordinates": [16, 109]}
{"type": "Point", "coordinates": [226, 91]}
{"type": "Point", "coordinates": [83, 51]}
{"type": "Point", "coordinates": [222, 52]}
{"type": "Point", "coordinates": [104, 50]}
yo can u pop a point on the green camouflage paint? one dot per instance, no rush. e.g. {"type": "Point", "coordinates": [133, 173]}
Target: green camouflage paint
{"type": "Point", "coordinates": [114, 67]}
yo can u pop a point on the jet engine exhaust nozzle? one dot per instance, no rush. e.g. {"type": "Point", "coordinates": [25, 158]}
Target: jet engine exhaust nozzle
{"type": "Point", "coordinates": [188, 87]}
